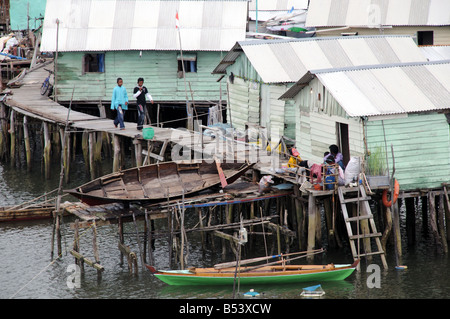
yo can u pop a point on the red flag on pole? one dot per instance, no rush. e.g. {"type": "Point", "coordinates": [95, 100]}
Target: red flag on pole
{"type": "Point", "coordinates": [177, 20]}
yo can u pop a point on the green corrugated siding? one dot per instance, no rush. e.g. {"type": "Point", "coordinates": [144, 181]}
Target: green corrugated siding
{"type": "Point", "coordinates": [158, 68]}
{"type": "Point", "coordinates": [18, 13]}
{"type": "Point", "coordinates": [421, 145]}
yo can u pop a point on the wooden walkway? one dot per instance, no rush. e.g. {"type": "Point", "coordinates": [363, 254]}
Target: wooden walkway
{"type": "Point", "coordinates": [27, 100]}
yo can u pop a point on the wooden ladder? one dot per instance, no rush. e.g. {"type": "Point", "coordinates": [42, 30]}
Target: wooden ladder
{"type": "Point", "coordinates": [365, 214]}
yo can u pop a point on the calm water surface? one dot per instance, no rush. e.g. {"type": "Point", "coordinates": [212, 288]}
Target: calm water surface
{"type": "Point", "coordinates": [28, 272]}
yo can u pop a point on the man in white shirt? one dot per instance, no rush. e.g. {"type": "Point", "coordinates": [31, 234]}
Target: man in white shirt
{"type": "Point", "coordinates": [140, 93]}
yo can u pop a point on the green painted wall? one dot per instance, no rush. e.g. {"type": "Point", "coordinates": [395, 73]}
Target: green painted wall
{"type": "Point", "coordinates": [421, 144]}
{"type": "Point", "coordinates": [18, 13]}
{"type": "Point", "coordinates": [158, 68]}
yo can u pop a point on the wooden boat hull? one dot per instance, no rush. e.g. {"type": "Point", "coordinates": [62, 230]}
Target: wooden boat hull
{"type": "Point", "coordinates": [157, 182]}
{"type": "Point", "coordinates": [308, 273]}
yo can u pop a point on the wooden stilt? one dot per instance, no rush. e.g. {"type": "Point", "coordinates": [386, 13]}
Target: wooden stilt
{"type": "Point", "coordinates": [76, 245]}
{"type": "Point", "coordinates": [85, 149]}
{"type": "Point", "coordinates": [138, 151]}
{"type": "Point", "coordinates": [121, 238]}
{"type": "Point", "coordinates": [47, 150]}
{"type": "Point", "coordinates": [26, 137]}
{"type": "Point", "coordinates": [98, 142]}
{"type": "Point", "coordinates": [424, 201]}
{"type": "Point", "coordinates": [311, 225]}
{"type": "Point", "coordinates": [433, 220]}
{"type": "Point", "coordinates": [441, 224]}
{"type": "Point", "coordinates": [141, 252]}
{"type": "Point", "coordinates": [12, 133]}
{"type": "Point", "coordinates": [447, 212]}
{"type": "Point", "coordinates": [95, 249]}
{"type": "Point", "coordinates": [388, 227]}
{"type": "Point", "coordinates": [91, 155]}
{"type": "Point", "coordinates": [170, 227]}
{"type": "Point", "coordinates": [3, 130]}
{"type": "Point", "coordinates": [117, 159]}
{"type": "Point", "coordinates": [149, 223]}
{"type": "Point", "coordinates": [410, 221]}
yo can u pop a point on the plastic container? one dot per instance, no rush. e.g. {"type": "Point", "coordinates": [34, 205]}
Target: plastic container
{"type": "Point", "coordinates": [148, 133]}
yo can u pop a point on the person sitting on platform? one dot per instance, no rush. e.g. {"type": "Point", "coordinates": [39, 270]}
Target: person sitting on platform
{"type": "Point", "coordinates": [338, 157]}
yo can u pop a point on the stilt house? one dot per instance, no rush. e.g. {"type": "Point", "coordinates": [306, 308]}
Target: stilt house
{"type": "Point", "coordinates": [396, 113]}
{"type": "Point", "coordinates": [98, 41]}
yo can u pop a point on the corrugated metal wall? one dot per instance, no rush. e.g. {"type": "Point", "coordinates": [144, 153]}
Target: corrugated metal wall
{"type": "Point", "coordinates": [158, 68]}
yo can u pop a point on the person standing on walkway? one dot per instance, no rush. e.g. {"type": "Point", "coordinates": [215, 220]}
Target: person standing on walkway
{"type": "Point", "coordinates": [119, 102]}
{"type": "Point", "coordinates": [140, 93]}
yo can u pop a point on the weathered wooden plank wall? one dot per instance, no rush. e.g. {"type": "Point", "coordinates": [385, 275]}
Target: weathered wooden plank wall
{"type": "Point", "coordinates": [315, 123]}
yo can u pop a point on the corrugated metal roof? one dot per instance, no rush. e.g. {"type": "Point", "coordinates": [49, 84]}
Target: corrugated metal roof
{"type": "Point", "coordinates": [373, 13]}
{"type": "Point", "coordinates": [436, 53]}
{"type": "Point", "coordinates": [288, 60]}
{"type": "Point", "coordinates": [106, 25]}
{"type": "Point", "coordinates": [388, 89]}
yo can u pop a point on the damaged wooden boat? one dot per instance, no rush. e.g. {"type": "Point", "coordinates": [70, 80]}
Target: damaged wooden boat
{"type": "Point", "coordinates": [272, 274]}
{"type": "Point", "coordinates": [158, 182]}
